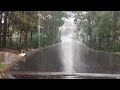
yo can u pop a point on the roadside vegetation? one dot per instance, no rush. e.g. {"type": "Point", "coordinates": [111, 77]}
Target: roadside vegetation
{"type": "Point", "coordinates": [2, 66]}
{"type": "Point", "coordinates": [30, 29]}
{"type": "Point", "coordinates": [99, 30]}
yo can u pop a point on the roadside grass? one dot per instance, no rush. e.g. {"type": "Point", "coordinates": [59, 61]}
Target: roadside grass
{"type": "Point", "coordinates": [2, 66]}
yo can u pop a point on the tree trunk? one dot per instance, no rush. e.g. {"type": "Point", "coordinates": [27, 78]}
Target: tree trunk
{"type": "Point", "coordinates": [90, 32]}
{"type": "Point", "coordinates": [0, 28]}
{"type": "Point", "coordinates": [10, 41]}
{"type": "Point", "coordinates": [115, 20]}
{"type": "Point", "coordinates": [31, 36]}
{"type": "Point", "coordinates": [9, 33]}
{"type": "Point", "coordinates": [5, 29]}
{"type": "Point", "coordinates": [20, 40]}
{"type": "Point", "coordinates": [26, 40]}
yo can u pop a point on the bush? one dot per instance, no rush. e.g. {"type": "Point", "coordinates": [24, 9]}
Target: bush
{"type": "Point", "coordinates": [115, 46]}
{"type": "Point", "coordinates": [34, 42]}
{"type": "Point", "coordinates": [2, 66]}
{"type": "Point", "coordinates": [111, 46]}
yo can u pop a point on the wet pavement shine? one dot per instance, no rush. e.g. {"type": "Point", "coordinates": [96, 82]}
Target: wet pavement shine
{"type": "Point", "coordinates": [67, 60]}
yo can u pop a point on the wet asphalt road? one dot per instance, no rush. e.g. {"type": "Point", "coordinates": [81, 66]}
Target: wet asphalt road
{"type": "Point", "coordinates": [67, 57]}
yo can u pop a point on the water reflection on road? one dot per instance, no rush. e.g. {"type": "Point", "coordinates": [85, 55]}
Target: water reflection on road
{"type": "Point", "coordinates": [69, 56]}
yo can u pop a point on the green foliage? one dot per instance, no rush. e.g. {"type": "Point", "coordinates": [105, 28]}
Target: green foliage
{"type": "Point", "coordinates": [2, 66]}
{"type": "Point", "coordinates": [25, 24]}
{"type": "Point", "coordinates": [103, 28]}
{"type": "Point", "coordinates": [51, 21]}
{"type": "Point", "coordinates": [34, 43]}
{"type": "Point", "coordinates": [115, 46]}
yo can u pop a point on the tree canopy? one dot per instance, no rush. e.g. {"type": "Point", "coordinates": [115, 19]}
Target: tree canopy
{"type": "Point", "coordinates": [24, 27]}
{"type": "Point", "coordinates": [102, 29]}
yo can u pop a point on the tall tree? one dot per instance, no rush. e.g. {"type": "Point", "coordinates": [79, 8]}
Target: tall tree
{"type": "Point", "coordinates": [102, 27]}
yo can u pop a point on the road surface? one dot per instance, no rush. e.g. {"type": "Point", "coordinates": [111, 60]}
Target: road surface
{"type": "Point", "coordinates": [68, 59]}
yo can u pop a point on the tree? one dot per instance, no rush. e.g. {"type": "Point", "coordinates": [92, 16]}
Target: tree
{"type": "Point", "coordinates": [25, 25]}
{"type": "Point", "coordinates": [103, 29]}
{"type": "Point", "coordinates": [25, 21]}
{"type": "Point", "coordinates": [50, 23]}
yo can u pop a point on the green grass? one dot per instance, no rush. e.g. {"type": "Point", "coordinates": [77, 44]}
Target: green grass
{"type": "Point", "coordinates": [2, 66]}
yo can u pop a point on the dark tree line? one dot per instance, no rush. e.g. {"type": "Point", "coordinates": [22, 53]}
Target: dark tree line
{"type": "Point", "coordinates": [99, 29]}
{"type": "Point", "coordinates": [23, 25]}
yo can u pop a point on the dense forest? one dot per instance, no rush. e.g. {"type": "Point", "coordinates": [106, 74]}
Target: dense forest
{"type": "Point", "coordinates": [99, 29]}
{"type": "Point", "coordinates": [30, 29]}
